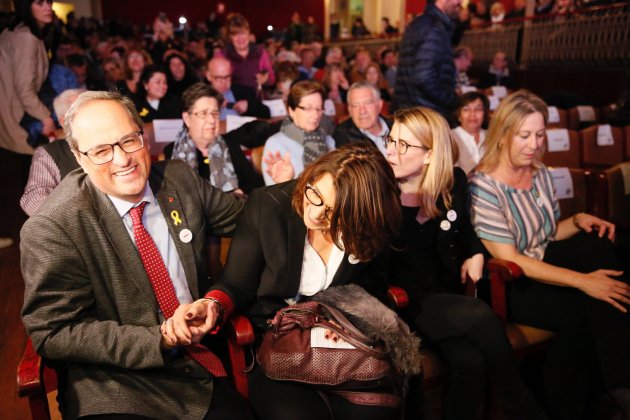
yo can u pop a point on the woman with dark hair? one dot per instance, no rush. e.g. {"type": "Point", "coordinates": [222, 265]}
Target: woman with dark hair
{"type": "Point", "coordinates": [374, 76]}
{"type": "Point", "coordinates": [435, 252]}
{"type": "Point", "coordinates": [200, 144]}
{"type": "Point", "coordinates": [151, 98]}
{"type": "Point", "coordinates": [251, 65]}
{"type": "Point", "coordinates": [294, 240]}
{"type": "Point", "coordinates": [301, 139]}
{"type": "Point", "coordinates": [179, 74]}
{"type": "Point", "coordinates": [23, 70]}
{"type": "Point", "coordinates": [472, 115]}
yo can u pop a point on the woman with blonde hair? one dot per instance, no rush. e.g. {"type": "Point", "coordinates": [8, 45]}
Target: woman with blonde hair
{"type": "Point", "coordinates": [434, 253]}
{"type": "Point", "coordinates": [573, 285]}
{"type": "Point", "coordinates": [134, 62]}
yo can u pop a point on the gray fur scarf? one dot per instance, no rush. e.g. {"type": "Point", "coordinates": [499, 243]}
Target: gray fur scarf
{"type": "Point", "coordinates": [378, 322]}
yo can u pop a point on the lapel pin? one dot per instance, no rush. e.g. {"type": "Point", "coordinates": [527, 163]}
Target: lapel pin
{"type": "Point", "coordinates": [451, 215]}
{"type": "Point", "coordinates": [353, 260]}
{"type": "Point", "coordinates": [445, 225]}
{"type": "Point", "coordinates": [175, 217]}
{"type": "Point", "coordinates": [171, 199]}
{"type": "Point", "coordinates": [185, 236]}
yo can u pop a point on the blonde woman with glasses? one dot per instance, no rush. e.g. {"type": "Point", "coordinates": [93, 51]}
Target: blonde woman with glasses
{"type": "Point", "coordinates": [434, 253]}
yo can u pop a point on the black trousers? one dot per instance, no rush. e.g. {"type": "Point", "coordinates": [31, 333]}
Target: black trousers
{"type": "Point", "coordinates": [472, 342]}
{"type": "Point", "coordinates": [278, 400]}
{"type": "Point", "coordinates": [588, 331]}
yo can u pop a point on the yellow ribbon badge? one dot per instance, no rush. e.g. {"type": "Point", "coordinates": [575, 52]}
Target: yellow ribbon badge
{"type": "Point", "coordinates": [175, 216]}
{"type": "Point", "coordinates": [144, 112]}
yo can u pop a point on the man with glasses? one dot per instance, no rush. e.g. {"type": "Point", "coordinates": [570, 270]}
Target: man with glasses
{"type": "Point", "coordinates": [239, 100]}
{"type": "Point", "coordinates": [365, 122]}
{"type": "Point", "coordinates": [108, 258]}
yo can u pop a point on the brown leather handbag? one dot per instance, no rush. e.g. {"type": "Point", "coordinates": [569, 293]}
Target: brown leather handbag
{"type": "Point", "coordinates": [286, 354]}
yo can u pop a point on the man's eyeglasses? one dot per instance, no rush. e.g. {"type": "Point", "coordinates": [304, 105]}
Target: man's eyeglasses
{"type": "Point", "coordinates": [315, 199]}
{"type": "Point", "coordinates": [222, 78]}
{"type": "Point", "coordinates": [305, 109]}
{"type": "Point", "coordinates": [206, 113]}
{"type": "Point", "coordinates": [357, 105]}
{"type": "Point", "coordinates": [104, 153]}
{"type": "Point", "coordinates": [400, 145]}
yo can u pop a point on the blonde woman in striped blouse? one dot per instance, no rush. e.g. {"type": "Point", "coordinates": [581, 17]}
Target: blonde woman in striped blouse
{"type": "Point", "coordinates": [573, 285]}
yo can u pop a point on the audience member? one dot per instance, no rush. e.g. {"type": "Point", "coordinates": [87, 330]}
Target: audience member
{"type": "Point", "coordinates": [310, 31]}
{"type": "Point", "coordinates": [23, 70]}
{"type": "Point", "coordinates": [335, 26]}
{"type": "Point", "coordinates": [374, 76]}
{"type": "Point", "coordinates": [469, 135]}
{"type": "Point", "coordinates": [286, 75]}
{"type": "Point", "coordinates": [388, 29]}
{"type": "Point", "coordinates": [134, 62]}
{"type": "Point", "coordinates": [113, 72]}
{"type": "Point", "coordinates": [294, 30]}
{"type": "Point", "coordinates": [79, 65]}
{"type": "Point", "coordinates": [518, 11]}
{"type": "Point", "coordinates": [426, 74]}
{"type": "Point", "coordinates": [307, 69]}
{"type": "Point", "coordinates": [359, 28]}
{"type": "Point", "coordinates": [151, 98]}
{"type": "Point", "coordinates": [179, 75]}
{"type": "Point", "coordinates": [365, 122]}
{"type": "Point", "coordinates": [361, 61]}
{"type": "Point", "coordinates": [296, 239]}
{"type": "Point", "coordinates": [434, 253]}
{"type": "Point", "coordinates": [572, 284]}
{"type": "Point", "coordinates": [497, 14]}
{"type": "Point", "coordinates": [334, 55]}
{"type": "Point", "coordinates": [103, 267]}
{"type": "Point", "coordinates": [389, 66]}
{"type": "Point", "coordinates": [462, 57]}
{"type": "Point", "coordinates": [251, 65]}
{"type": "Point", "coordinates": [301, 139]}
{"type": "Point", "coordinates": [238, 99]}
{"type": "Point", "coordinates": [200, 144]}
{"type": "Point", "coordinates": [336, 84]}
{"type": "Point", "coordinates": [52, 161]}
{"type": "Point", "coordinates": [498, 73]}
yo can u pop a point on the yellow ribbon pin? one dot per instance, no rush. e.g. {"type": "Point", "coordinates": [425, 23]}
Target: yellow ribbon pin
{"type": "Point", "coordinates": [176, 218]}
{"type": "Point", "coordinates": [144, 112]}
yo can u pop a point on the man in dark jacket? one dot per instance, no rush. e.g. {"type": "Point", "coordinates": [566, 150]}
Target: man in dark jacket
{"type": "Point", "coordinates": [426, 74]}
{"type": "Point", "coordinates": [365, 122]}
{"type": "Point", "coordinates": [239, 99]}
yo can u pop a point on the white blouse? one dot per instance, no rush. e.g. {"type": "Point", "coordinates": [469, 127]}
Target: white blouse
{"type": "Point", "coordinates": [316, 275]}
{"type": "Point", "coordinates": [469, 152]}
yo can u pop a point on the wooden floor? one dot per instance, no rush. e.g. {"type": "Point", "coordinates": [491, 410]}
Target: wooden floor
{"type": "Point", "coordinates": [12, 335]}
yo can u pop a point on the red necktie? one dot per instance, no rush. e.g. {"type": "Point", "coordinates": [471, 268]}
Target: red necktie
{"type": "Point", "coordinates": [164, 289]}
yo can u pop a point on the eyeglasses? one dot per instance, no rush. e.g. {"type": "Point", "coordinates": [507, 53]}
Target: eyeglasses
{"type": "Point", "coordinates": [104, 153]}
{"type": "Point", "coordinates": [357, 105]}
{"type": "Point", "coordinates": [305, 109]}
{"type": "Point", "coordinates": [400, 145]}
{"type": "Point", "coordinates": [315, 199]}
{"type": "Point", "coordinates": [202, 115]}
{"type": "Point", "coordinates": [222, 78]}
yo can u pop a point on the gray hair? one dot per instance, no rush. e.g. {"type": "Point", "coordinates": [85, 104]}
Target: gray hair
{"type": "Point", "coordinates": [62, 102]}
{"type": "Point", "coordinates": [364, 84]}
{"type": "Point", "coordinates": [93, 96]}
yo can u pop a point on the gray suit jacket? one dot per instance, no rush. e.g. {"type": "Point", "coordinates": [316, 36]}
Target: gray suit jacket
{"type": "Point", "coordinates": [89, 305]}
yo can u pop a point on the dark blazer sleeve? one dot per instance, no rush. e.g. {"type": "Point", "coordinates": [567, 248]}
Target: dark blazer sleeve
{"type": "Point", "coordinates": [248, 178]}
{"type": "Point", "coordinates": [469, 243]}
{"type": "Point", "coordinates": [255, 108]}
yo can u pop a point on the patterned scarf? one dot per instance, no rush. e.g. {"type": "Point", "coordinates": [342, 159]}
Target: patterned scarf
{"type": "Point", "coordinates": [222, 174]}
{"type": "Point", "coordinates": [313, 141]}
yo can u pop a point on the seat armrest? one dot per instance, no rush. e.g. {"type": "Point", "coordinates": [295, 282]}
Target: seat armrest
{"type": "Point", "coordinates": [501, 272]}
{"type": "Point", "coordinates": [398, 297]}
{"type": "Point", "coordinates": [240, 337]}
{"type": "Point", "coordinates": [28, 372]}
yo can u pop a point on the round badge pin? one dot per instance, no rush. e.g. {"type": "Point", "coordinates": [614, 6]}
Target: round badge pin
{"type": "Point", "coordinates": [540, 201]}
{"type": "Point", "coordinates": [451, 215]}
{"type": "Point", "coordinates": [445, 225]}
{"type": "Point", "coordinates": [185, 236]}
{"type": "Point", "coordinates": [352, 259]}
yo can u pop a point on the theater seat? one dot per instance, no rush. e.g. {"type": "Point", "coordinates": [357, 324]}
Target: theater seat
{"type": "Point", "coordinates": [582, 116]}
{"type": "Point", "coordinates": [626, 136]}
{"type": "Point", "coordinates": [563, 119]}
{"type": "Point", "coordinates": [598, 156]}
{"type": "Point", "coordinates": [617, 189]}
{"type": "Point", "coordinates": [563, 148]}
{"type": "Point", "coordinates": [524, 339]}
